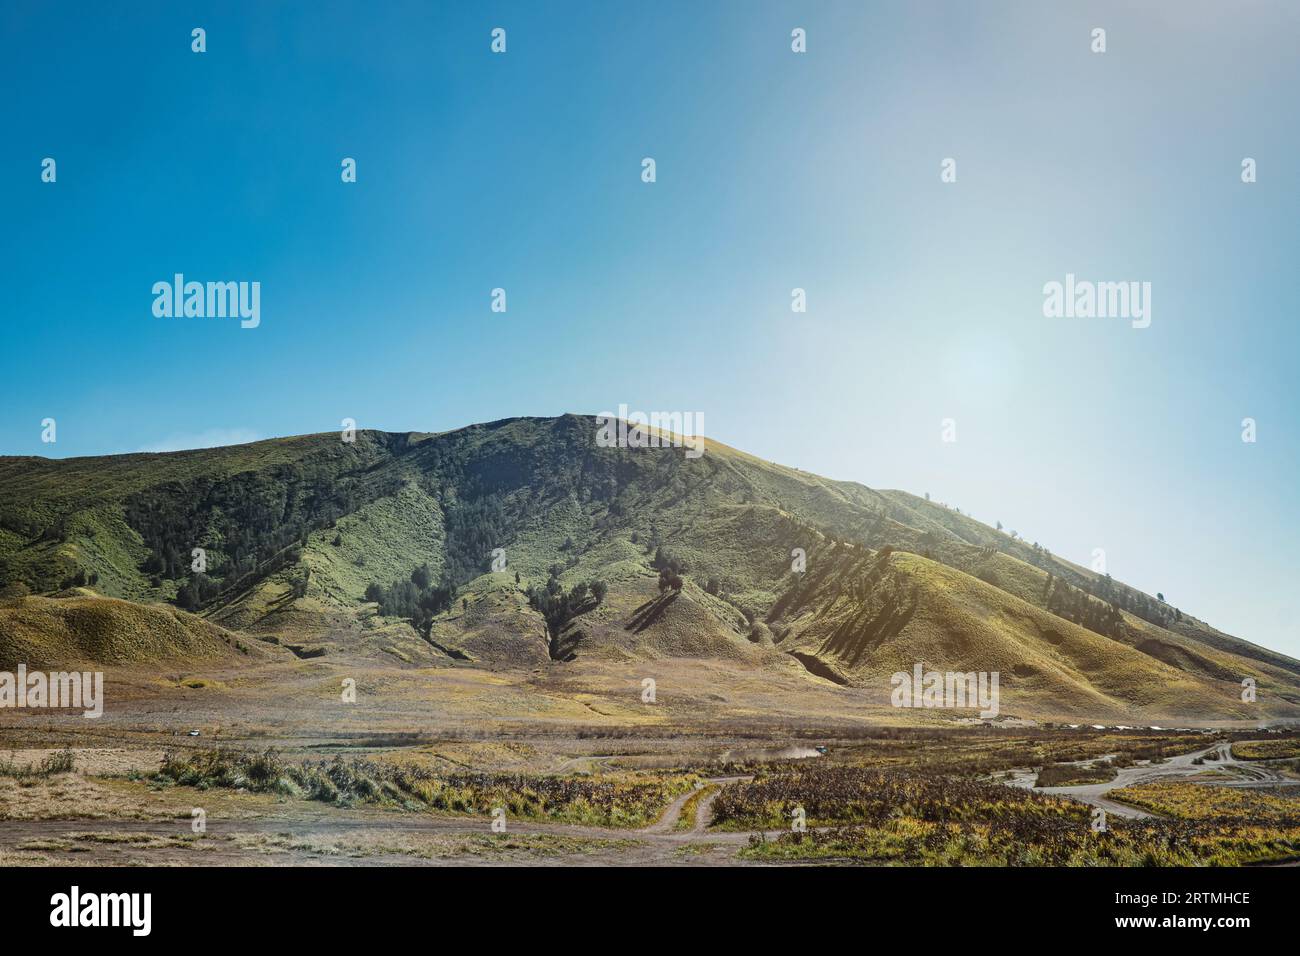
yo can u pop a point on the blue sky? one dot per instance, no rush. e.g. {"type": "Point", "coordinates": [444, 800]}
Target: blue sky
{"type": "Point", "coordinates": [775, 171]}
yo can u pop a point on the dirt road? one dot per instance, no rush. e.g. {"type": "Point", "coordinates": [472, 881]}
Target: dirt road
{"type": "Point", "coordinates": [1219, 756]}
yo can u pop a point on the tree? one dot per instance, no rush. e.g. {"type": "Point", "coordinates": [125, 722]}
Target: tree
{"type": "Point", "coordinates": [599, 590]}
{"type": "Point", "coordinates": [188, 597]}
{"type": "Point", "coordinates": [421, 577]}
{"type": "Point", "coordinates": [559, 607]}
{"type": "Point", "coordinates": [375, 593]}
{"type": "Point", "coordinates": [14, 590]}
{"type": "Point", "coordinates": [664, 561]}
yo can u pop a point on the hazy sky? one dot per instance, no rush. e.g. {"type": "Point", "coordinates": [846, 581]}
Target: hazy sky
{"type": "Point", "coordinates": [775, 170]}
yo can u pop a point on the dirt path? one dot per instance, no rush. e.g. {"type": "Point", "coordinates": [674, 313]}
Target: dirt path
{"type": "Point", "coordinates": [704, 812]}
{"type": "Point", "coordinates": [1252, 775]}
{"type": "Point", "coordinates": [703, 809]}
{"type": "Point", "coordinates": [668, 821]}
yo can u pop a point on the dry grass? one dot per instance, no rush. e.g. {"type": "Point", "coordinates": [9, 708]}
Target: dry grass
{"type": "Point", "coordinates": [46, 632]}
{"type": "Point", "coordinates": [1267, 749]}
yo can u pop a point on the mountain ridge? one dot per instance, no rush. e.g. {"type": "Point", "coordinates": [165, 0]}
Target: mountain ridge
{"type": "Point", "coordinates": [295, 532]}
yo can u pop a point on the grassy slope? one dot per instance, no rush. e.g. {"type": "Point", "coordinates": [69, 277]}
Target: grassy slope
{"type": "Point", "coordinates": [867, 616]}
{"type": "Point", "coordinates": [56, 632]}
{"type": "Point", "coordinates": [60, 515]}
{"type": "Point", "coordinates": [963, 536]}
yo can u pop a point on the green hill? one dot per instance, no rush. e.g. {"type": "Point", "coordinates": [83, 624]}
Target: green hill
{"type": "Point", "coordinates": [295, 531]}
{"type": "Point", "coordinates": [81, 628]}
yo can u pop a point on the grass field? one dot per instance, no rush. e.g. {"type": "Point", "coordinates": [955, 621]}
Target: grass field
{"type": "Point", "coordinates": [902, 821]}
{"type": "Point", "coordinates": [884, 796]}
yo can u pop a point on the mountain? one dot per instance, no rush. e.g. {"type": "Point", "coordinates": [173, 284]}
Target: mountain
{"type": "Point", "coordinates": [609, 554]}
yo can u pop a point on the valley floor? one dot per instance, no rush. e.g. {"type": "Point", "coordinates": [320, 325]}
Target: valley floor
{"type": "Point", "coordinates": [286, 772]}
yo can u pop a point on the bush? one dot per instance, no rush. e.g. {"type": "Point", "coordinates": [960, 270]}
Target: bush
{"type": "Point", "coordinates": [14, 591]}
{"type": "Point", "coordinates": [603, 802]}
{"type": "Point", "coordinates": [669, 579]}
{"type": "Point", "coordinates": [61, 762]}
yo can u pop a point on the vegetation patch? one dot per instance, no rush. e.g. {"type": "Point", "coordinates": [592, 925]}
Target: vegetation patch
{"type": "Point", "coordinates": [629, 800]}
{"type": "Point", "coordinates": [686, 820]}
{"type": "Point", "coordinates": [61, 762]}
{"type": "Point", "coordinates": [1075, 775]}
{"type": "Point", "coordinates": [936, 825]}
{"type": "Point", "coordinates": [836, 795]}
{"type": "Point", "coordinates": [1190, 801]}
{"type": "Point", "coordinates": [1267, 749]}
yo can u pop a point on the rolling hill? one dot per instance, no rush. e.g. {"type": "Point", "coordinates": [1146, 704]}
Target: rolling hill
{"type": "Point", "coordinates": [385, 545]}
{"type": "Point", "coordinates": [82, 628]}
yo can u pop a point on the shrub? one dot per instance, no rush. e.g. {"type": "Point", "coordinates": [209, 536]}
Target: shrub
{"type": "Point", "coordinates": [61, 762]}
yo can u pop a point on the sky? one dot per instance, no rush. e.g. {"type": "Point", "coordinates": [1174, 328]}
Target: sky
{"type": "Point", "coordinates": [775, 170]}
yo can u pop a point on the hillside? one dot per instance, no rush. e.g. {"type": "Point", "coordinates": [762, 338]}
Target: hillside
{"type": "Point", "coordinates": [865, 615]}
{"type": "Point", "coordinates": [295, 533]}
{"type": "Point", "coordinates": [63, 632]}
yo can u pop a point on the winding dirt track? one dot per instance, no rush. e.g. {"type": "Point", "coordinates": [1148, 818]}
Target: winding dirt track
{"type": "Point", "coordinates": [671, 814]}
{"type": "Point", "coordinates": [1250, 774]}
{"type": "Point", "coordinates": [703, 810]}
